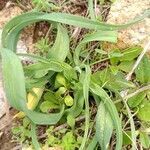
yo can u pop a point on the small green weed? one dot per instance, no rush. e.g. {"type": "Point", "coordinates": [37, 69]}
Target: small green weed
{"type": "Point", "coordinates": [44, 5]}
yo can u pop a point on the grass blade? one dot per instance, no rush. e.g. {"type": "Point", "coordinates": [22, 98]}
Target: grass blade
{"type": "Point", "coordinates": [86, 86]}
{"type": "Point", "coordinates": [91, 9]}
{"type": "Point", "coordinates": [133, 131]}
{"type": "Point", "coordinates": [34, 137]}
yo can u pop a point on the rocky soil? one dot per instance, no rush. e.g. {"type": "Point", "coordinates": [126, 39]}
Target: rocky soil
{"type": "Point", "coordinates": [121, 12]}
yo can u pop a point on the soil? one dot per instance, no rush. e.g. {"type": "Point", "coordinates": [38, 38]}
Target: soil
{"type": "Point", "coordinates": [3, 3]}
{"type": "Point", "coordinates": [6, 124]}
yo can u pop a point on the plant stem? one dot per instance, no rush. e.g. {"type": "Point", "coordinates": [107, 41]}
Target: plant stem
{"type": "Point", "coordinates": [91, 9]}
{"type": "Point", "coordinates": [124, 94]}
{"type": "Point", "coordinates": [62, 126]}
{"type": "Point", "coordinates": [146, 48]}
{"type": "Point", "coordinates": [96, 62]}
{"type": "Point", "coordinates": [145, 88]}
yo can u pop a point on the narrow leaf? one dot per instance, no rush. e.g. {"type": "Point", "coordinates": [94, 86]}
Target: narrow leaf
{"type": "Point", "coordinates": [12, 29]}
{"type": "Point", "coordinates": [34, 137]}
{"type": "Point", "coordinates": [86, 86]}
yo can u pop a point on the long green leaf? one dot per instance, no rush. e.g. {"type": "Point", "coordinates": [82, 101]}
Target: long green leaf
{"type": "Point", "coordinates": [104, 126]}
{"type": "Point", "coordinates": [34, 137]}
{"type": "Point", "coordinates": [86, 86]}
{"type": "Point", "coordinates": [97, 90]}
{"type": "Point", "coordinates": [91, 9]}
{"type": "Point", "coordinates": [12, 30]}
{"type": "Point", "coordinates": [44, 119]}
{"type": "Point", "coordinates": [52, 64]}
{"type": "Point", "coordinates": [92, 144]}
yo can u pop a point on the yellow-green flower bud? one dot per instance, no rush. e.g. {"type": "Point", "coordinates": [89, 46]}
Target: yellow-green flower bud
{"type": "Point", "coordinates": [60, 80]}
{"type": "Point", "coordinates": [68, 100]}
{"type": "Point", "coordinates": [60, 91]}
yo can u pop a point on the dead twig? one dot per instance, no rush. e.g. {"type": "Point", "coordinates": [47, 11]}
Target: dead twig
{"type": "Point", "coordinates": [81, 118]}
{"type": "Point", "coordinates": [6, 107]}
{"type": "Point", "coordinates": [146, 48]}
{"type": "Point", "coordinates": [62, 126]}
{"type": "Point", "coordinates": [145, 88]}
{"type": "Point", "coordinates": [129, 75]}
{"type": "Point", "coordinates": [124, 93]}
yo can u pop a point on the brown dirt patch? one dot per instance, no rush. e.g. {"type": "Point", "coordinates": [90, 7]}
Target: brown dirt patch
{"type": "Point", "coordinates": [6, 142]}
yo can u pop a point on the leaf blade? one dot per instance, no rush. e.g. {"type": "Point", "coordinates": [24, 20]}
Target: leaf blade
{"type": "Point", "coordinates": [104, 126]}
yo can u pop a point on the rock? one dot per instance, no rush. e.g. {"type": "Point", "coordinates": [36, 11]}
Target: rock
{"type": "Point", "coordinates": [8, 13]}
{"type": "Point", "coordinates": [2, 103]}
{"type": "Point", "coordinates": [26, 39]}
{"type": "Point", "coordinates": [123, 11]}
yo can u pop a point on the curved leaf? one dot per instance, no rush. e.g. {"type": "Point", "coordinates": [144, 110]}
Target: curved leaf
{"type": "Point", "coordinates": [110, 36]}
{"type": "Point", "coordinates": [12, 30]}
{"type": "Point", "coordinates": [14, 84]}
{"type": "Point", "coordinates": [60, 48]}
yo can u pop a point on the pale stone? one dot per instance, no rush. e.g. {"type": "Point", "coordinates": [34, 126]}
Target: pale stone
{"type": "Point", "coordinates": [123, 11]}
{"type": "Point", "coordinates": [8, 13]}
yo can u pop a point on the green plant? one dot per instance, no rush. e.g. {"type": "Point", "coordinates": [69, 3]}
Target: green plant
{"type": "Point", "coordinates": [22, 132]}
{"type": "Point", "coordinates": [44, 5]}
{"type": "Point", "coordinates": [43, 46]}
{"type": "Point", "coordinates": [73, 78]}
